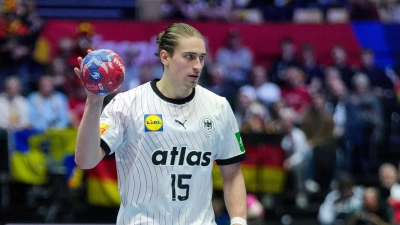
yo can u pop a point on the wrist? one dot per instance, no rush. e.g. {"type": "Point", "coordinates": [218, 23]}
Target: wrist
{"type": "Point", "coordinates": [96, 101]}
{"type": "Point", "coordinates": [238, 220]}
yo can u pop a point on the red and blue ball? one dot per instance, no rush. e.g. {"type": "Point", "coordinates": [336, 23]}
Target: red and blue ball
{"type": "Point", "coordinates": [103, 71]}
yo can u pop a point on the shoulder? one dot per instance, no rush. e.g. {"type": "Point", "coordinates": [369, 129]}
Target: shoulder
{"type": "Point", "coordinates": [298, 131]}
{"type": "Point", "coordinates": [358, 191]}
{"type": "Point", "coordinates": [60, 95]}
{"type": "Point", "coordinates": [21, 99]}
{"type": "Point", "coordinates": [207, 95]}
{"type": "Point", "coordinates": [135, 92]}
{"type": "Point", "coordinates": [32, 95]}
{"type": "Point", "coordinates": [3, 97]}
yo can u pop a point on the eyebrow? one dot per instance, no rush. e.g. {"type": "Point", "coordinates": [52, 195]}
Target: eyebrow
{"type": "Point", "coordinates": [195, 53]}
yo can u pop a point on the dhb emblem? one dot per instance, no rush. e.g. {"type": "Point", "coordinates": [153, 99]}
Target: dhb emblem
{"type": "Point", "coordinates": [207, 123]}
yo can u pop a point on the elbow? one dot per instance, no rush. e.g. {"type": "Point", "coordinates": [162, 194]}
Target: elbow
{"type": "Point", "coordinates": [84, 164]}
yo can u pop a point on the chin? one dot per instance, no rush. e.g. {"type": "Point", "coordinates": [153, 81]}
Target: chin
{"type": "Point", "coordinates": [192, 84]}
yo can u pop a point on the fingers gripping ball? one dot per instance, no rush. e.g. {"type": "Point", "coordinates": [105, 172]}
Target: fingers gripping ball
{"type": "Point", "coordinates": [103, 71]}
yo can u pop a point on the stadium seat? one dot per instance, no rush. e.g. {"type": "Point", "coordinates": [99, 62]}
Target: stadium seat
{"type": "Point", "coordinates": [308, 15]}
{"type": "Point", "coordinates": [248, 15]}
{"type": "Point", "coordinates": [149, 10]}
{"type": "Point", "coordinates": [337, 15]}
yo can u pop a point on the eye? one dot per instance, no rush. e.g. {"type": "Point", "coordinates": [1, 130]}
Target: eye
{"type": "Point", "coordinates": [201, 57]}
{"type": "Point", "coordinates": [190, 57]}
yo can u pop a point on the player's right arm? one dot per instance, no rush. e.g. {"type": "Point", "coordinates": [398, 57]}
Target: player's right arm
{"type": "Point", "coordinates": [87, 151]}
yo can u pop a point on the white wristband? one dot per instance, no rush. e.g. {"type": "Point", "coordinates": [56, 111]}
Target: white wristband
{"type": "Point", "coordinates": [238, 220]}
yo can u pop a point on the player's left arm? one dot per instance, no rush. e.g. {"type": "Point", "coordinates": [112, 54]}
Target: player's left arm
{"type": "Point", "coordinates": [234, 191]}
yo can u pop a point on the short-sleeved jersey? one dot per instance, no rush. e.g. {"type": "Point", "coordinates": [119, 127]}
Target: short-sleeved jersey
{"type": "Point", "coordinates": [165, 150]}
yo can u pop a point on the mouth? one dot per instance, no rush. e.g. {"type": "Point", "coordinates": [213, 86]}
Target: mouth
{"type": "Point", "coordinates": [194, 77]}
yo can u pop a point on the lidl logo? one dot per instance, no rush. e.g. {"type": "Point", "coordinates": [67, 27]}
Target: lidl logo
{"type": "Point", "coordinates": [153, 122]}
{"type": "Point", "coordinates": [103, 128]}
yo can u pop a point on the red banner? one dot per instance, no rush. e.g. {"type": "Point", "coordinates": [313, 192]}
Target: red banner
{"type": "Point", "coordinates": [263, 39]}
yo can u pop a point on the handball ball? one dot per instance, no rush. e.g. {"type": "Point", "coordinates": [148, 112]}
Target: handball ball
{"type": "Point", "coordinates": [103, 71]}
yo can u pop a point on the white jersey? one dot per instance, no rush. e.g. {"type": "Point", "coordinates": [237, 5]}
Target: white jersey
{"type": "Point", "coordinates": [165, 150]}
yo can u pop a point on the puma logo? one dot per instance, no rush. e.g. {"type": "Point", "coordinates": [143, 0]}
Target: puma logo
{"type": "Point", "coordinates": [183, 124]}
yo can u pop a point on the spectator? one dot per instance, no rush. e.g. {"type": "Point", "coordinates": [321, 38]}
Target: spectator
{"type": "Point", "coordinates": [309, 64]}
{"type": "Point", "coordinates": [245, 97]}
{"type": "Point", "coordinates": [344, 116]}
{"type": "Point", "coordinates": [82, 42]}
{"type": "Point", "coordinates": [394, 202]}
{"type": "Point", "coordinates": [48, 108]}
{"type": "Point", "coordinates": [387, 175]}
{"type": "Point", "coordinates": [65, 49]}
{"type": "Point", "coordinates": [324, 5]}
{"type": "Point", "coordinates": [286, 59]}
{"type": "Point", "coordinates": [340, 204]}
{"type": "Point", "coordinates": [267, 92]}
{"type": "Point", "coordinates": [22, 29]}
{"type": "Point", "coordinates": [219, 85]}
{"type": "Point", "coordinates": [274, 126]}
{"type": "Point", "coordinates": [294, 90]}
{"type": "Point", "coordinates": [255, 118]}
{"type": "Point", "coordinates": [340, 61]}
{"type": "Point", "coordinates": [363, 10]}
{"type": "Point", "coordinates": [14, 106]}
{"type": "Point", "coordinates": [131, 69]}
{"type": "Point", "coordinates": [294, 143]}
{"type": "Point", "coordinates": [76, 104]}
{"type": "Point", "coordinates": [255, 210]}
{"type": "Point", "coordinates": [379, 81]}
{"type": "Point", "coordinates": [64, 80]}
{"type": "Point", "coordinates": [205, 10]}
{"type": "Point", "coordinates": [389, 180]}
{"type": "Point", "coordinates": [38, 58]}
{"type": "Point", "coordinates": [262, 5]}
{"type": "Point", "coordinates": [279, 11]}
{"type": "Point", "coordinates": [369, 132]}
{"type": "Point", "coordinates": [331, 75]}
{"type": "Point", "coordinates": [373, 211]}
{"type": "Point", "coordinates": [14, 109]}
{"type": "Point", "coordinates": [236, 59]}
{"type": "Point", "coordinates": [318, 126]}
{"type": "Point", "coordinates": [387, 11]}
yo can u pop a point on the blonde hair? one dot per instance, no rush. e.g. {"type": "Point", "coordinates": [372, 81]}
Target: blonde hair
{"type": "Point", "coordinates": [168, 40]}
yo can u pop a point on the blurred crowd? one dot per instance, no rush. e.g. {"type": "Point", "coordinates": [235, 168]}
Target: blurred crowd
{"type": "Point", "coordinates": [335, 119]}
{"type": "Point", "coordinates": [256, 11]}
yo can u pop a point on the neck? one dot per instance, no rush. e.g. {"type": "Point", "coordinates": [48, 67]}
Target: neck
{"type": "Point", "coordinates": [10, 97]}
{"type": "Point", "coordinates": [171, 90]}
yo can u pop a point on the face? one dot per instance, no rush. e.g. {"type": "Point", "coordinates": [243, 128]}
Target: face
{"type": "Point", "coordinates": [287, 123]}
{"type": "Point", "coordinates": [217, 76]}
{"type": "Point", "coordinates": [13, 87]}
{"type": "Point", "coordinates": [367, 59]}
{"type": "Point", "coordinates": [244, 101]}
{"type": "Point", "coordinates": [371, 199]}
{"type": "Point", "coordinates": [339, 55]}
{"type": "Point", "coordinates": [388, 177]}
{"type": "Point", "coordinates": [318, 102]}
{"type": "Point", "coordinates": [259, 75]}
{"type": "Point", "coordinates": [46, 86]}
{"type": "Point", "coordinates": [184, 67]}
{"type": "Point", "coordinates": [294, 77]}
{"type": "Point", "coordinates": [288, 49]}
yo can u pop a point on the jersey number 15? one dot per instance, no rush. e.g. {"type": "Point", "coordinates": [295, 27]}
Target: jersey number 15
{"type": "Point", "coordinates": [181, 185]}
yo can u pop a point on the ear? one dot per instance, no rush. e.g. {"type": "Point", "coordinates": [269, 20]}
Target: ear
{"type": "Point", "coordinates": [164, 56]}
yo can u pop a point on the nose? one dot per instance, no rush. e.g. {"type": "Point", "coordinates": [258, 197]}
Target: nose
{"type": "Point", "coordinates": [198, 64]}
